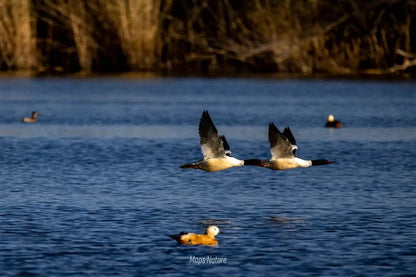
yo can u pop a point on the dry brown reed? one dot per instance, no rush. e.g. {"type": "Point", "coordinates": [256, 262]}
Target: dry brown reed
{"type": "Point", "coordinates": [74, 16]}
{"type": "Point", "coordinates": [17, 35]}
{"type": "Point", "coordinates": [137, 23]}
{"type": "Point", "coordinates": [202, 36]}
{"type": "Point", "coordinates": [291, 36]}
{"type": "Point", "coordinates": [80, 21]}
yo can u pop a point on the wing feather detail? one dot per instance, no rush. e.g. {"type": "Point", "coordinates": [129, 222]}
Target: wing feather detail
{"type": "Point", "coordinates": [282, 145]}
{"type": "Point", "coordinates": [212, 145]}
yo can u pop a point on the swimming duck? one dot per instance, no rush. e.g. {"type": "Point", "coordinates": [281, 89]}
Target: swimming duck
{"type": "Point", "coordinates": [34, 118]}
{"type": "Point", "coordinates": [283, 149]}
{"type": "Point", "coordinates": [332, 123]}
{"type": "Point", "coordinates": [215, 149]}
{"type": "Point", "coordinates": [191, 238]}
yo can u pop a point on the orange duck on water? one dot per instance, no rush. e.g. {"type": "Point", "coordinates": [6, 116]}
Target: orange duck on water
{"type": "Point", "coordinates": [34, 118]}
{"type": "Point", "coordinates": [193, 239]}
{"type": "Point", "coordinates": [332, 123]}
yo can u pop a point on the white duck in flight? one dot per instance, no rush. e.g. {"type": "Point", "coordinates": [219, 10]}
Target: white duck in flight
{"type": "Point", "coordinates": [283, 149]}
{"type": "Point", "coordinates": [215, 149]}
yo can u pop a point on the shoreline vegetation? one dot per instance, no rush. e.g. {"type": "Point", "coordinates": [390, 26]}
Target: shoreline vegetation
{"type": "Point", "coordinates": [211, 38]}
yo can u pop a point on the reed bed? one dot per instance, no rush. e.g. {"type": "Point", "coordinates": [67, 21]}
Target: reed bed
{"type": "Point", "coordinates": [137, 26]}
{"type": "Point", "coordinates": [17, 36]}
{"type": "Point", "coordinates": [215, 37]}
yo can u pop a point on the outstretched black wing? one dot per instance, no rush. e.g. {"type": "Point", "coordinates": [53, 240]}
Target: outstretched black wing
{"type": "Point", "coordinates": [281, 145]}
{"type": "Point", "coordinates": [288, 134]}
{"type": "Point", "coordinates": [226, 146]}
{"type": "Point", "coordinates": [211, 143]}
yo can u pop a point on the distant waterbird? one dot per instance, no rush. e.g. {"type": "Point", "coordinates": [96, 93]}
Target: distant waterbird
{"type": "Point", "coordinates": [283, 150]}
{"type": "Point", "coordinates": [32, 119]}
{"type": "Point", "coordinates": [215, 149]}
{"type": "Point", "coordinates": [191, 238]}
{"type": "Point", "coordinates": [332, 123]}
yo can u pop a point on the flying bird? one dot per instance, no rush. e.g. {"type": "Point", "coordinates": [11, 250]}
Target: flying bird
{"type": "Point", "coordinates": [283, 149]}
{"type": "Point", "coordinates": [215, 149]}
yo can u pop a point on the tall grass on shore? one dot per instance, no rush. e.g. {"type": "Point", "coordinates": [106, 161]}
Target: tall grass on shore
{"type": "Point", "coordinates": [292, 36]}
{"type": "Point", "coordinates": [137, 25]}
{"type": "Point", "coordinates": [75, 20]}
{"type": "Point", "coordinates": [17, 35]}
{"type": "Point", "coordinates": [201, 36]}
{"type": "Point", "coordinates": [80, 21]}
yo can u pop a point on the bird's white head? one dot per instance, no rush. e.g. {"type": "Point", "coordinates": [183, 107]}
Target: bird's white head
{"type": "Point", "coordinates": [331, 118]}
{"type": "Point", "coordinates": [212, 231]}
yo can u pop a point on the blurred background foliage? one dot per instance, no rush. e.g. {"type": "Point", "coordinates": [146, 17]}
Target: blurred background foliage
{"type": "Point", "coordinates": [208, 37]}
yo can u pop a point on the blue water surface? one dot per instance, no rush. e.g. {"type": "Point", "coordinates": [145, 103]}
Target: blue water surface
{"type": "Point", "coordinates": [95, 189]}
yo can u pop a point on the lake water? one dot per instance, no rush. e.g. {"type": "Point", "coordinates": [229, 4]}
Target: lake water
{"type": "Point", "coordinates": [95, 189]}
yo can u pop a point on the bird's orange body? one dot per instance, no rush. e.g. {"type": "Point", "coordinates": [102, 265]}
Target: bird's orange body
{"type": "Point", "coordinates": [191, 238]}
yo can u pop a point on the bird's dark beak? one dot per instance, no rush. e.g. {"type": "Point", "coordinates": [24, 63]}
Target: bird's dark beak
{"type": "Point", "coordinates": [321, 162]}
